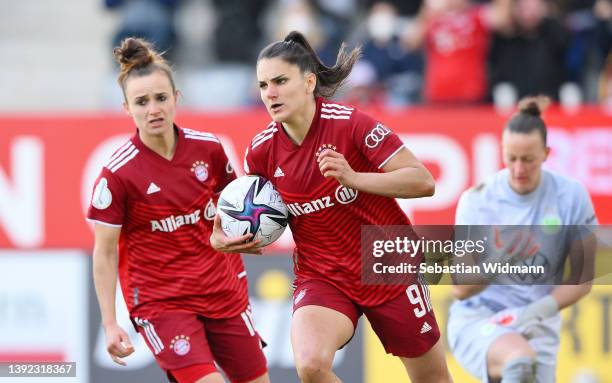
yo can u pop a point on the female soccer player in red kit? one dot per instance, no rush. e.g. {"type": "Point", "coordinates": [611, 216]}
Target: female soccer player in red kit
{"type": "Point", "coordinates": [153, 207]}
{"type": "Point", "coordinates": [338, 169]}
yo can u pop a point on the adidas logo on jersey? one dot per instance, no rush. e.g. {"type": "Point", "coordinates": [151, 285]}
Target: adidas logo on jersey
{"type": "Point", "coordinates": [278, 173]}
{"type": "Point", "coordinates": [425, 328]}
{"type": "Point", "coordinates": [153, 188]}
{"type": "Point", "coordinates": [172, 223]}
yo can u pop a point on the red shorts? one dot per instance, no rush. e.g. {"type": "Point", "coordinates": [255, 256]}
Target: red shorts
{"type": "Point", "coordinates": [405, 325]}
{"type": "Point", "coordinates": [182, 339]}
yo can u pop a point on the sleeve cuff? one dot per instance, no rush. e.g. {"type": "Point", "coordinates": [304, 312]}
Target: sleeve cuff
{"type": "Point", "coordinates": [391, 156]}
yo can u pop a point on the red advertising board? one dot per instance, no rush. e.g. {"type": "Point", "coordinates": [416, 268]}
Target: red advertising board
{"type": "Point", "coordinates": [48, 162]}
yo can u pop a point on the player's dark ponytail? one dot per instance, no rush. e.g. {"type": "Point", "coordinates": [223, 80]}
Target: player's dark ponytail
{"type": "Point", "coordinates": [136, 57]}
{"type": "Point", "coordinates": [296, 50]}
{"type": "Point", "coordinates": [528, 118]}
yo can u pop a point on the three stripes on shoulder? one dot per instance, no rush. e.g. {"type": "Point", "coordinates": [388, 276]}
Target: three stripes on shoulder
{"type": "Point", "coordinates": [335, 111]}
{"type": "Point", "coordinates": [128, 151]}
{"type": "Point", "coordinates": [328, 111]}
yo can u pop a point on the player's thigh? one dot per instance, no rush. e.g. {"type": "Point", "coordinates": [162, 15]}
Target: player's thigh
{"type": "Point", "coordinates": [317, 332]}
{"type": "Point", "coordinates": [237, 347]}
{"type": "Point", "coordinates": [265, 378]}
{"type": "Point", "coordinates": [198, 373]}
{"type": "Point", "coordinates": [212, 378]}
{"type": "Point", "coordinates": [176, 339]}
{"type": "Point", "coordinates": [429, 367]}
{"type": "Point", "coordinates": [324, 320]}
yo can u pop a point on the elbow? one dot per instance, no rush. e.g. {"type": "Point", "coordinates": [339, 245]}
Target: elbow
{"type": "Point", "coordinates": [430, 187]}
{"type": "Point", "coordinates": [429, 184]}
{"type": "Point", "coordinates": [460, 294]}
{"type": "Point", "coordinates": [425, 189]}
{"type": "Point", "coordinates": [586, 289]}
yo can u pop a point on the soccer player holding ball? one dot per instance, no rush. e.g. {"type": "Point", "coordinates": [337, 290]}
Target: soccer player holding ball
{"type": "Point", "coordinates": [337, 169]}
{"type": "Point", "coordinates": [509, 331]}
{"type": "Point", "coordinates": [153, 207]}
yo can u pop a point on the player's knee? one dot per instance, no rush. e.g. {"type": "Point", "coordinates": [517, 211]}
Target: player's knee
{"type": "Point", "coordinates": [519, 350]}
{"type": "Point", "coordinates": [311, 365]}
{"type": "Point", "coordinates": [519, 369]}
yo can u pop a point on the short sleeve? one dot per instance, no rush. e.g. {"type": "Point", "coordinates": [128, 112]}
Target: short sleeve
{"type": "Point", "coordinates": [375, 140]}
{"type": "Point", "coordinates": [252, 164]}
{"type": "Point", "coordinates": [462, 216]}
{"type": "Point", "coordinates": [108, 200]}
{"type": "Point", "coordinates": [224, 170]}
{"type": "Point", "coordinates": [585, 213]}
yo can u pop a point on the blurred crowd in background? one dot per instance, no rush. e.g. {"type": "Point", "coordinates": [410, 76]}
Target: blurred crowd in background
{"type": "Point", "coordinates": [457, 52]}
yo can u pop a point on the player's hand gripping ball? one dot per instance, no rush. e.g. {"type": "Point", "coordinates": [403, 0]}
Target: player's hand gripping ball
{"type": "Point", "coordinates": [251, 204]}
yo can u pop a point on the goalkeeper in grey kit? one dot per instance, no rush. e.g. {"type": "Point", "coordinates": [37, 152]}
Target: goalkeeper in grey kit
{"type": "Point", "coordinates": [508, 332]}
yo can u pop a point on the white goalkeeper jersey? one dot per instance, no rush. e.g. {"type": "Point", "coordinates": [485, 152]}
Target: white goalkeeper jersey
{"type": "Point", "coordinates": [560, 208]}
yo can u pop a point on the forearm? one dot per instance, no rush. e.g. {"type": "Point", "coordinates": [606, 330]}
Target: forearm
{"type": "Point", "coordinates": [549, 305]}
{"type": "Point", "coordinates": [567, 295]}
{"type": "Point", "coordinates": [400, 183]}
{"type": "Point", "coordinates": [105, 282]}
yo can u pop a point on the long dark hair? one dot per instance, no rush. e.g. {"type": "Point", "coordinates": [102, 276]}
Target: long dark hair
{"type": "Point", "coordinates": [529, 117]}
{"type": "Point", "coordinates": [296, 50]}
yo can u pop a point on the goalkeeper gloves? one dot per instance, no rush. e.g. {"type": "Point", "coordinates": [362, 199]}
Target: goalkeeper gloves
{"type": "Point", "coordinates": [536, 311]}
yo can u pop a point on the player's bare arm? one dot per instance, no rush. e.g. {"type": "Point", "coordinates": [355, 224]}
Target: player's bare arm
{"type": "Point", "coordinates": [105, 261]}
{"type": "Point", "coordinates": [404, 175]}
{"type": "Point", "coordinates": [582, 263]}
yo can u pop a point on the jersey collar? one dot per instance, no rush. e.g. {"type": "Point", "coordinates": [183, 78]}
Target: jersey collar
{"type": "Point", "coordinates": [310, 135]}
{"type": "Point", "coordinates": [156, 157]}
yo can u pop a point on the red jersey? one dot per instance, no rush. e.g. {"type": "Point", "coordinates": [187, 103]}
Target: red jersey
{"type": "Point", "coordinates": [456, 49]}
{"type": "Point", "coordinates": [165, 210]}
{"type": "Point", "coordinates": [325, 217]}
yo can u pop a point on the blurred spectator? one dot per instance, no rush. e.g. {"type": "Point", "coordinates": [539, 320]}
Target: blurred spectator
{"type": "Point", "coordinates": [300, 15]}
{"type": "Point", "coordinates": [603, 13]}
{"type": "Point", "coordinates": [152, 20]}
{"type": "Point", "coordinates": [583, 61]}
{"type": "Point", "coordinates": [455, 35]}
{"type": "Point", "coordinates": [336, 18]}
{"type": "Point", "coordinates": [581, 23]}
{"type": "Point", "coordinates": [388, 71]}
{"type": "Point", "coordinates": [238, 20]}
{"type": "Point", "coordinates": [532, 57]}
{"type": "Point", "coordinates": [409, 8]}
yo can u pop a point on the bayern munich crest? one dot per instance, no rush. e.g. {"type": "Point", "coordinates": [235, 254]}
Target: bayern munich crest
{"type": "Point", "coordinates": [181, 345]}
{"type": "Point", "coordinates": [324, 147]}
{"type": "Point", "coordinates": [200, 169]}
